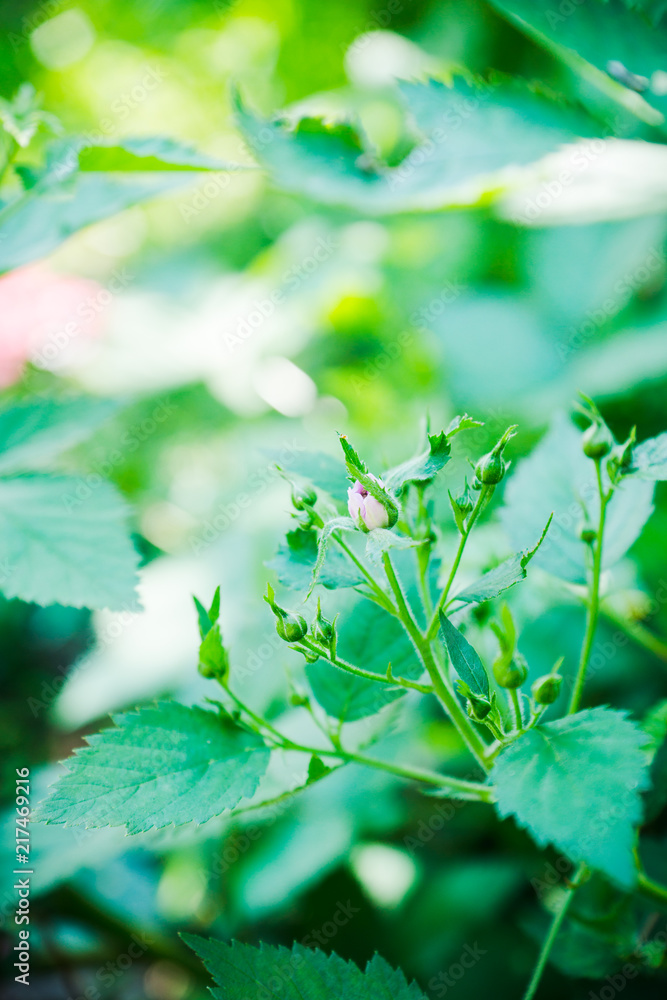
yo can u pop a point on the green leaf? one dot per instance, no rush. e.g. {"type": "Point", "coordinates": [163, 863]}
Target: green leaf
{"type": "Point", "coordinates": [467, 133]}
{"type": "Point", "coordinates": [502, 577]}
{"type": "Point", "coordinates": [464, 658]}
{"type": "Point", "coordinates": [63, 541]}
{"type": "Point", "coordinates": [557, 477]}
{"type": "Point", "coordinates": [147, 155]}
{"type": "Point", "coordinates": [242, 971]}
{"type": "Point", "coordinates": [203, 619]}
{"type": "Point", "coordinates": [462, 422]}
{"type": "Point", "coordinates": [32, 434]}
{"type": "Point", "coordinates": [607, 44]}
{"type": "Point", "coordinates": [163, 765]}
{"type": "Point", "coordinates": [296, 558]}
{"type": "Point", "coordinates": [423, 467]}
{"type": "Point", "coordinates": [575, 783]}
{"type": "Point", "coordinates": [649, 459]}
{"type": "Point", "coordinates": [370, 638]}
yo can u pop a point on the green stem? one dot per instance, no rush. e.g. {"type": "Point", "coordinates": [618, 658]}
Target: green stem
{"type": "Point", "coordinates": [471, 789]}
{"type": "Point", "coordinates": [366, 674]}
{"type": "Point", "coordinates": [517, 710]}
{"type": "Point", "coordinates": [446, 695]}
{"type": "Point", "coordinates": [550, 939]}
{"type": "Point", "coordinates": [382, 598]}
{"type": "Point", "coordinates": [650, 888]}
{"type": "Point", "coordinates": [594, 599]}
{"type": "Point", "coordinates": [435, 620]}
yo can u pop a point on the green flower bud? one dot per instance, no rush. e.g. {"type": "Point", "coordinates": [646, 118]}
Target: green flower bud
{"type": "Point", "coordinates": [303, 497]}
{"type": "Point", "coordinates": [587, 533]}
{"type": "Point", "coordinates": [323, 631]}
{"type": "Point", "coordinates": [491, 467]}
{"type": "Point", "coordinates": [597, 441]}
{"type": "Point", "coordinates": [478, 708]}
{"type": "Point", "coordinates": [510, 673]}
{"type": "Point", "coordinates": [621, 455]}
{"type": "Point", "coordinates": [291, 627]}
{"type": "Point", "coordinates": [546, 689]}
{"type": "Point", "coordinates": [465, 502]}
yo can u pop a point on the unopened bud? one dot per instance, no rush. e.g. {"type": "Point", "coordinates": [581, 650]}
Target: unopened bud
{"type": "Point", "coordinates": [303, 497]}
{"type": "Point", "coordinates": [491, 467]}
{"type": "Point", "coordinates": [323, 631]}
{"type": "Point", "coordinates": [546, 689]}
{"type": "Point", "coordinates": [368, 511]}
{"type": "Point", "coordinates": [597, 441]}
{"type": "Point", "coordinates": [510, 673]}
{"type": "Point", "coordinates": [290, 626]}
{"type": "Point", "coordinates": [478, 708]}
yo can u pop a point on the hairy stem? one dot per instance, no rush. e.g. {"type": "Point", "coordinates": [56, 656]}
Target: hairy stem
{"type": "Point", "coordinates": [446, 695]}
{"type": "Point", "coordinates": [368, 675]}
{"type": "Point", "coordinates": [435, 619]}
{"type": "Point", "coordinates": [594, 599]}
{"type": "Point", "coordinates": [383, 598]}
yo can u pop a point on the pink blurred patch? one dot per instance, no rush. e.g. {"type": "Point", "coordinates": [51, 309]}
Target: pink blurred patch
{"type": "Point", "coordinates": [41, 314]}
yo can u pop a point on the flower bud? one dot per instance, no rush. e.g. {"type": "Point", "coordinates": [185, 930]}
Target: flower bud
{"type": "Point", "coordinates": [367, 511]}
{"type": "Point", "coordinates": [491, 467]}
{"type": "Point", "coordinates": [213, 658]}
{"type": "Point", "coordinates": [322, 630]}
{"type": "Point", "coordinates": [587, 534]}
{"type": "Point", "coordinates": [510, 673]}
{"type": "Point", "coordinates": [597, 441]}
{"type": "Point", "coordinates": [303, 497]}
{"type": "Point", "coordinates": [478, 708]}
{"type": "Point", "coordinates": [546, 689]}
{"type": "Point", "coordinates": [465, 502]}
{"type": "Point", "coordinates": [290, 626]}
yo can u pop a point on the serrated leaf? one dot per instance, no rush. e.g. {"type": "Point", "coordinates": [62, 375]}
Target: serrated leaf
{"type": "Point", "coordinates": [467, 134]}
{"type": "Point", "coordinates": [462, 422]}
{"type": "Point", "coordinates": [575, 783]}
{"type": "Point", "coordinates": [294, 564]}
{"type": "Point", "coordinates": [64, 542]}
{"type": "Point", "coordinates": [502, 577]}
{"type": "Point", "coordinates": [242, 971]}
{"type": "Point", "coordinates": [557, 477]}
{"type": "Point", "coordinates": [370, 638]}
{"type": "Point", "coordinates": [464, 658]}
{"type": "Point", "coordinates": [421, 468]}
{"type": "Point", "coordinates": [32, 434]}
{"type": "Point", "coordinates": [203, 619]}
{"type": "Point", "coordinates": [649, 459]}
{"type": "Point", "coordinates": [162, 765]}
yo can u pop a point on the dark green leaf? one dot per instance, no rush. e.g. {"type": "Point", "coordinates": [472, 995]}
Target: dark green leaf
{"type": "Point", "coordinates": [163, 765]}
{"type": "Point", "coordinates": [464, 658]}
{"type": "Point", "coordinates": [575, 783]}
{"type": "Point", "coordinates": [243, 972]}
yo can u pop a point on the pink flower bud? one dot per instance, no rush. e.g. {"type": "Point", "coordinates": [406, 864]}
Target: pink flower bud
{"type": "Point", "coordinates": [362, 505]}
